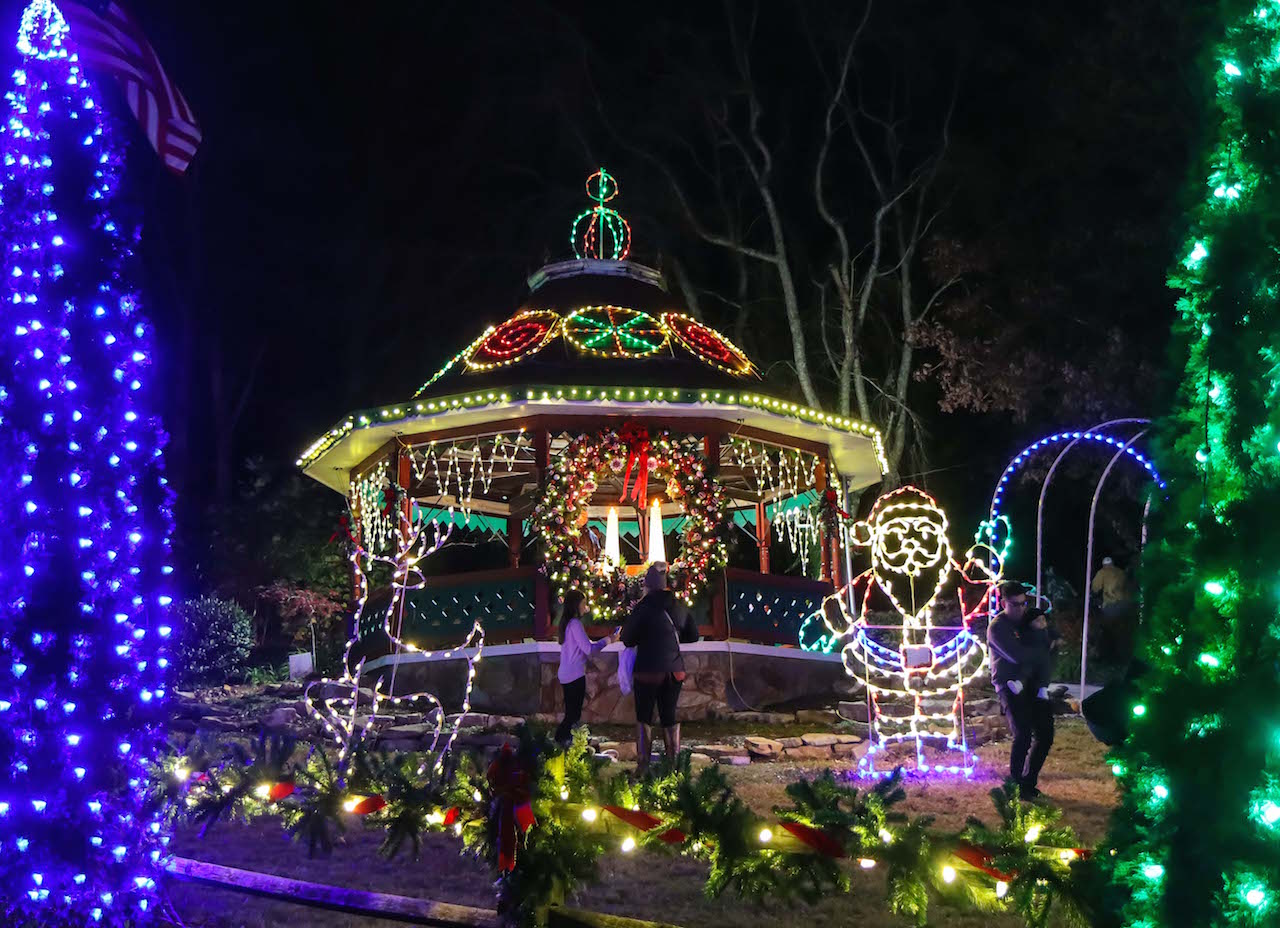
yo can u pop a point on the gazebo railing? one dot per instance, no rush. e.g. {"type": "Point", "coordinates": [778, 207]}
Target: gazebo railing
{"type": "Point", "coordinates": [515, 603]}
{"type": "Point", "coordinates": [770, 608]}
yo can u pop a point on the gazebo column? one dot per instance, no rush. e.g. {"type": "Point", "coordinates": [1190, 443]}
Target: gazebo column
{"type": "Point", "coordinates": [711, 451]}
{"type": "Point", "coordinates": [404, 478]}
{"type": "Point", "coordinates": [824, 546]}
{"type": "Point", "coordinates": [515, 538]}
{"type": "Point", "coordinates": [542, 629]}
{"type": "Point", "coordinates": [764, 535]}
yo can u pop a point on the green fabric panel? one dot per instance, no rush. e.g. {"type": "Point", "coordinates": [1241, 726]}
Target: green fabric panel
{"type": "Point", "coordinates": [477, 521]}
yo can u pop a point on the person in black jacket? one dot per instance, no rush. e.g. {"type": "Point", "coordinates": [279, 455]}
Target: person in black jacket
{"type": "Point", "coordinates": [1014, 662]}
{"type": "Point", "coordinates": [656, 627]}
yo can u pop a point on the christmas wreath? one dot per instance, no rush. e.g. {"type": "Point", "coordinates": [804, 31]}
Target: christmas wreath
{"type": "Point", "coordinates": [632, 456]}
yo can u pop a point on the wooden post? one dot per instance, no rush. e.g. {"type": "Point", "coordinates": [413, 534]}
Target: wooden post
{"type": "Point", "coordinates": [719, 608]}
{"type": "Point", "coordinates": [824, 542]}
{"type": "Point", "coordinates": [542, 599]}
{"type": "Point", "coordinates": [404, 480]}
{"type": "Point", "coordinates": [711, 451]}
{"type": "Point", "coordinates": [542, 630]}
{"type": "Point", "coordinates": [515, 538]}
{"type": "Point", "coordinates": [353, 523]}
{"type": "Point", "coordinates": [764, 535]}
{"type": "Point", "coordinates": [542, 455]}
{"type": "Point", "coordinates": [410, 911]}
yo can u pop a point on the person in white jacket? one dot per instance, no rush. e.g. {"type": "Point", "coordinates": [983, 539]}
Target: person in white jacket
{"type": "Point", "coordinates": [575, 649]}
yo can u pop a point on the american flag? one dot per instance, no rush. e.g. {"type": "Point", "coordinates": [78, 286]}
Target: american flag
{"type": "Point", "coordinates": [111, 42]}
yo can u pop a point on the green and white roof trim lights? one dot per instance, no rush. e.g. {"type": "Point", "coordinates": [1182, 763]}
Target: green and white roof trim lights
{"type": "Point", "coordinates": [857, 448]}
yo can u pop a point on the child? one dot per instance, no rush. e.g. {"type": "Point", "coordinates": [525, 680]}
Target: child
{"type": "Point", "coordinates": [1037, 637]}
{"type": "Point", "coordinates": [575, 650]}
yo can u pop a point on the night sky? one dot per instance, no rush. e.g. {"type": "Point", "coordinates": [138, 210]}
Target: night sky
{"type": "Point", "coordinates": [377, 181]}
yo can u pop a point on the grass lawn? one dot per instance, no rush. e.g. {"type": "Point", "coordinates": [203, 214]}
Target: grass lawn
{"type": "Point", "coordinates": [648, 885]}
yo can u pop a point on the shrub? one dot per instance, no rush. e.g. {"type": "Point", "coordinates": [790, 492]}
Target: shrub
{"type": "Point", "coordinates": [217, 636]}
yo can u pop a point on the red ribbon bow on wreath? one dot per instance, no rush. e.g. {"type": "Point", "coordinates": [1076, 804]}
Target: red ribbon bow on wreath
{"type": "Point", "coordinates": [829, 506]}
{"type": "Point", "coordinates": [636, 439]}
{"type": "Point", "coordinates": [509, 783]}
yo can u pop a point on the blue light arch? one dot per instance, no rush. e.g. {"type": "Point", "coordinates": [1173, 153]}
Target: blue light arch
{"type": "Point", "coordinates": [1095, 435]}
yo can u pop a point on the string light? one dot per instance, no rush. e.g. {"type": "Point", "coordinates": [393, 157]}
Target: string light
{"type": "Point", "coordinates": [911, 564]}
{"type": "Point", "coordinates": [708, 344]}
{"type": "Point", "coordinates": [790, 478]}
{"type": "Point", "coordinates": [538, 393]}
{"type": "Point", "coordinates": [592, 227]}
{"type": "Point", "coordinates": [519, 338]}
{"type": "Point", "coordinates": [1026, 454]}
{"type": "Point", "coordinates": [614, 332]}
{"type": "Point", "coordinates": [575, 474]}
{"type": "Point", "coordinates": [466, 467]}
{"type": "Point", "coordinates": [86, 542]}
{"type": "Point", "coordinates": [416, 540]}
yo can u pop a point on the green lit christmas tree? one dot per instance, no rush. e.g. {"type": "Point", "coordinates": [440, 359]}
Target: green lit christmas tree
{"type": "Point", "coordinates": [1197, 838]}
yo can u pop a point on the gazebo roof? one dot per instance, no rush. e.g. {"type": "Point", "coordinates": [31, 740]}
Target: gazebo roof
{"type": "Point", "coordinates": [596, 336]}
{"type": "Point", "coordinates": [589, 322]}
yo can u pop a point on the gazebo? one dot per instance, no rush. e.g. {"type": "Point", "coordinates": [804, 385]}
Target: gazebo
{"type": "Point", "coordinates": [597, 412]}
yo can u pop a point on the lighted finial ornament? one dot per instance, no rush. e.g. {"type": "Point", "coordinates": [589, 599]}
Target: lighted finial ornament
{"type": "Point", "coordinates": [930, 653]}
{"type": "Point", "coordinates": [600, 233]}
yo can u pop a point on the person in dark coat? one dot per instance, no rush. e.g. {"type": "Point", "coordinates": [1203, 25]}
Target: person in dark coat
{"type": "Point", "coordinates": [657, 626]}
{"type": "Point", "coordinates": [1015, 662]}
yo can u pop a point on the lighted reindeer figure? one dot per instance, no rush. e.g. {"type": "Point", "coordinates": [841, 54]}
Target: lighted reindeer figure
{"type": "Point", "coordinates": [915, 659]}
{"type": "Point", "coordinates": [414, 540]}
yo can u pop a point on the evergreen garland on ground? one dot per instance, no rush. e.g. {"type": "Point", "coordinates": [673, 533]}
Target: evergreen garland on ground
{"type": "Point", "coordinates": [541, 817]}
{"type": "Point", "coordinates": [1196, 838]}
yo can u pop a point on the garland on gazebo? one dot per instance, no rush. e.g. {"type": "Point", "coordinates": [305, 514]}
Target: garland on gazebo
{"type": "Point", "coordinates": [542, 817]}
{"type": "Point", "coordinates": [630, 455]}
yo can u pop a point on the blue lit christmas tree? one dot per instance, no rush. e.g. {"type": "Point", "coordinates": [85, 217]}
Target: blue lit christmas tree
{"type": "Point", "coordinates": [84, 537]}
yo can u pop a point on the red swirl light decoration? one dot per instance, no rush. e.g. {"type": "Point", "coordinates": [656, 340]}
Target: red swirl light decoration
{"type": "Point", "coordinates": [520, 337]}
{"type": "Point", "coordinates": [707, 343]}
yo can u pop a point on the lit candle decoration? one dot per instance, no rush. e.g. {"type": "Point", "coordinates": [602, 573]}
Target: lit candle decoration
{"type": "Point", "coordinates": [657, 549]}
{"type": "Point", "coordinates": [612, 547]}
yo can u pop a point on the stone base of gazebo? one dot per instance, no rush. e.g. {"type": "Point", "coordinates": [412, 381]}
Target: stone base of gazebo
{"type": "Point", "coordinates": [520, 679]}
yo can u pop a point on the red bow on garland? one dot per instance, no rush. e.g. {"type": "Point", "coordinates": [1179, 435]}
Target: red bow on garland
{"type": "Point", "coordinates": [820, 841]}
{"type": "Point", "coordinates": [636, 439]}
{"type": "Point", "coordinates": [509, 783]}
{"type": "Point", "coordinates": [644, 821]}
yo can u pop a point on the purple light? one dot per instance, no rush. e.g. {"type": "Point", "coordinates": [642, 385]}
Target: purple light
{"type": "Point", "coordinates": [71, 584]}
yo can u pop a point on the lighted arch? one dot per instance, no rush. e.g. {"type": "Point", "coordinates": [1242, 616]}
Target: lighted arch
{"type": "Point", "coordinates": [1124, 448]}
{"type": "Point", "coordinates": [1095, 434]}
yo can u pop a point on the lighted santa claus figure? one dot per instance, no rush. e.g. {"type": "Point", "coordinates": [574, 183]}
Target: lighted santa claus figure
{"type": "Point", "coordinates": [903, 629]}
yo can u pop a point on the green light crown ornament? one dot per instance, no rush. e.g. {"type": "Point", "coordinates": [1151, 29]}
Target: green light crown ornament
{"type": "Point", "coordinates": [600, 233]}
